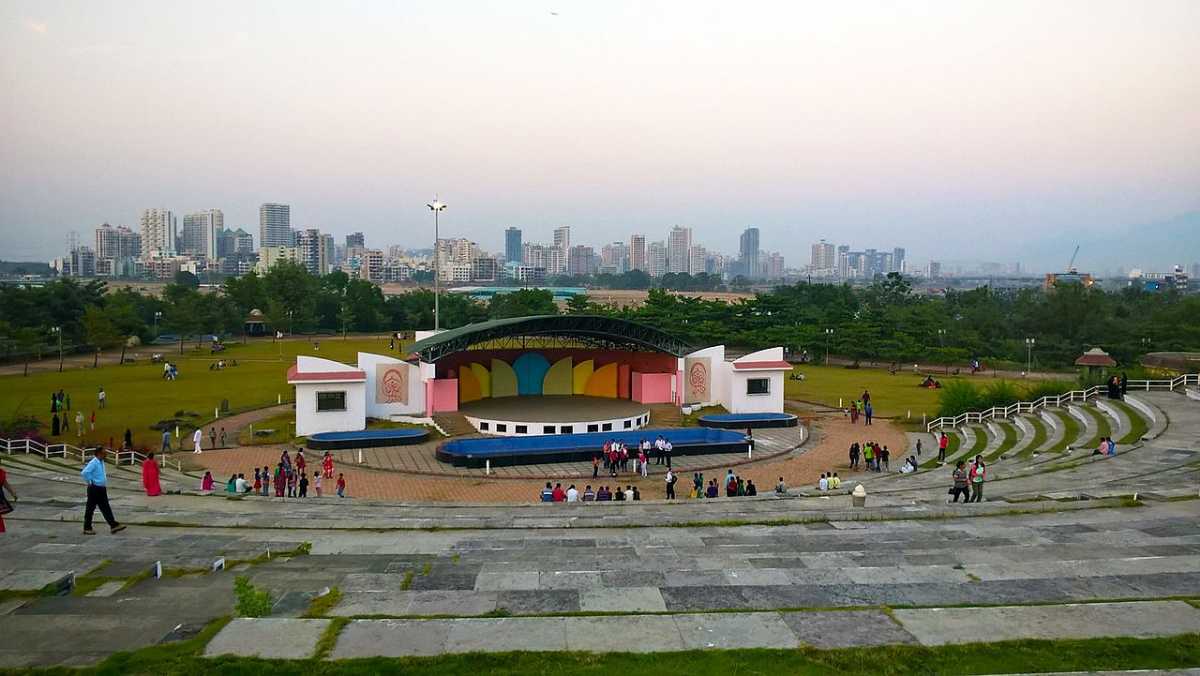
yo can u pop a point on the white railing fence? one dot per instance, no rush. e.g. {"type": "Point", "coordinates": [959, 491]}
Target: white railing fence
{"type": "Point", "coordinates": [1054, 401]}
{"type": "Point", "coordinates": [81, 455]}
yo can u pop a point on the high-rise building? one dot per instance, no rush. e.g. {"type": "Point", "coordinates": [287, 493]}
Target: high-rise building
{"type": "Point", "coordinates": [824, 257]}
{"type": "Point", "coordinates": [679, 242]}
{"type": "Point", "coordinates": [80, 261]}
{"type": "Point", "coordinates": [556, 261]}
{"type": "Point", "coordinates": [637, 252]}
{"type": "Point", "coordinates": [897, 260]}
{"type": "Point", "coordinates": [312, 252]}
{"type": "Point", "coordinates": [115, 243]}
{"type": "Point", "coordinates": [534, 256]}
{"type": "Point", "coordinates": [614, 258]}
{"type": "Point", "coordinates": [158, 233]}
{"type": "Point", "coordinates": [356, 239]}
{"type": "Point", "coordinates": [656, 259]}
{"type": "Point", "coordinates": [562, 238]}
{"type": "Point", "coordinates": [512, 245]}
{"type": "Point", "coordinates": [774, 267]}
{"type": "Point", "coordinates": [200, 233]}
{"type": "Point", "coordinates": [697, 260]}
{"type": "Point", "coordinates": [580, 260]}
{"type": "Point", "coordinates": [328, 252]}
{"type": "Point", "coordinates": [933, 270]}
{"type": "Point", "coordinates": [748, 253]}
{"type": "Point", "coordinates": [274, 225]}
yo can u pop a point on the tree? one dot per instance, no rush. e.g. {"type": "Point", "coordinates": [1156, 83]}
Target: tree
{"type": "Point", "coordinates": [579, 304]}
{"type": "Point", "coordinates": [521, 303]}
{"type": "Point", "coordinates": [187, 279]}
{"type": "Point", "coordinates": [99, 331]}
{"type": "Point", "coordinates": [346, 317]}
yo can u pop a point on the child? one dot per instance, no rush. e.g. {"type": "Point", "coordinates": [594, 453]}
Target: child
{"type": "Point", "coordinates": [257, 481]}
{"type": "Point", "coordinates": [341, 485]}
{"type": "Point", "coordinates": [304, 485]}
{"type": "Point", "coordinates": [317, 483]}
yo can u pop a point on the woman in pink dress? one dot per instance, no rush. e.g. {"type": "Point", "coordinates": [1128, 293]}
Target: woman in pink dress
{"type": "Point", "coordinates": [150, 476]}
{"type": "Point", "coordinates": [206, 484]}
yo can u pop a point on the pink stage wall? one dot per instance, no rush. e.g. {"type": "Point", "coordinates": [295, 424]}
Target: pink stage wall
{"type": "Point", "coordinates": [652, 388]}
{"type": "Point", "coordinates": [445, 395]}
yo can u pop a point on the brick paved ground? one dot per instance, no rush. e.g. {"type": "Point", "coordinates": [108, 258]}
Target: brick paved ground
{"type": "Point", "coordinates": [826, 452]}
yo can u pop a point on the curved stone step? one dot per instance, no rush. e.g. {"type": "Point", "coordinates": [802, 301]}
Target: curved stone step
{"type": "Point", "coordinates": [1119, 422]}
{"type": "Point", "coordinates": [1002, 430]}
{"type": "Point", "coordinates": [1055, 430]}
{"type": "Point", "coordinates": [1025, 435]}
{"type": "Point", "coordinates": [1087, 430]}
{"type": "Point", "coordinates": [1156, 416]}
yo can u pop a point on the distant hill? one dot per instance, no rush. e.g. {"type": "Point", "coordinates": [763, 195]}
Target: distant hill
{"type": "Point", "coordinates": [1151, 246]}
{"type": "Point", "coordinates": [25, 268]}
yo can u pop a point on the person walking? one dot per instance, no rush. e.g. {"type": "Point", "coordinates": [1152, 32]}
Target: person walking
{"type": "Point", "coordinates": [317, 483]}
{"type": "Point", "coordinates": [670, 480]}
{"type": "Point", "coordinates": [102, 397]}
{"type": "Point", "coordinates": [79, 425]}
{"type": "Point", "coordinates": [868, 412]}
{"type": "Point", "coordinates": [197, 438]}
{"type": "Point", "coordinates": [212, 437]}
{"type": "Point", "coordinates": [166, 441]}
{"type": "Point", "coordinates": [97, 494]}
{"type": "Point", "coordinates": [222, 437]}
{"type": "Point", "coordinates": [943, 442]}
{"type": "Point", "coordinates": [4, 506]}
{"type": "Point", "coordinates": [960, 483]}
{"type": "Point", "coordinates": [854, 456]}
{"type": "Point", "coordinates": [977, 476]}
{"type": "Point", "coordinates": [341, 485]}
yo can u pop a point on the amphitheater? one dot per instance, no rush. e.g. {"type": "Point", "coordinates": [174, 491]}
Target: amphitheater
{"type": "Point", "coordinates": [1066, 546]}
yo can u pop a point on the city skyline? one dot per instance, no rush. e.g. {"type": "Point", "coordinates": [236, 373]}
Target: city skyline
{"type": "Point", "coordinates": [930, 127]}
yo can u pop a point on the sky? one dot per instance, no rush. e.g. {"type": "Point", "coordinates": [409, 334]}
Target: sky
{"type": "Point", "coordinates": [962, 129]}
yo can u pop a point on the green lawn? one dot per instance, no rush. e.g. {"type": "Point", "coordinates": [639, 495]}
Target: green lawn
{"type": "Point", "coordinates": [1071, 429]}
{"type": "Point", "coordinates": [138, 397]}
{"type": "Point", "coordinates": [892, 396]}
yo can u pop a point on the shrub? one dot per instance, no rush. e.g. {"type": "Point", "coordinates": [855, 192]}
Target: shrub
{"type": "Point", "coordinates": [1047, 388]}
{"type": "Point", "coordinates": [251, 601]}
{"type": "Point", "coordinates": [999, 393]}
{"type": "Point", "coordinates": [957, 397]}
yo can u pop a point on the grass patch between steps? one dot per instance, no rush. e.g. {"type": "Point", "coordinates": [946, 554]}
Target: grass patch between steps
{"type": "Point", "coordinates": [1101, 654]}
{"type": "Point", "coordinates": [1009, 431]}
{"type": "Point", "coordinates": [1040, 433]}
{"type": "Point", "coordinates": [1071, 428]}
{"type": "Point", "coordinates": [1138, 425]}
{"type": "Point", "coordinates": [954, 440]}
{"type": "Point", "coordinates": [1103, 428]}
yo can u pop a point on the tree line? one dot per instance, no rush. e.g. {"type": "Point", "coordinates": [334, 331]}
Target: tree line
{"type": "Point", "coordinates": [883, 322]}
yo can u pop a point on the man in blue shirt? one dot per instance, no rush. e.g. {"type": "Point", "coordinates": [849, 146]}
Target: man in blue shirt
{"type": "Point", "coordinates": [97, 493]}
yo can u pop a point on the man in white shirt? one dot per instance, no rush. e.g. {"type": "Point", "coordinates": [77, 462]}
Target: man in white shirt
{"type": "Point", "coordinates": [667, 448]}
{"type": "Point", "coordinates": [572, 494]}
{"type": "Point", "coordinates": [240, 485]}
{"type": "Point", "coordinates": [197, 438]}
{"type": "Point", "coordinates": [823, 484]}
{"type": "Point", "coordinates": [659, 443]}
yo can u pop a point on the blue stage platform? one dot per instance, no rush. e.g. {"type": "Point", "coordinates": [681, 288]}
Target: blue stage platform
{"type": "Point", "coordinates": [328, 441]}
{"type": "Point", "coordinates": [582, 447]}
{"type": "Point", "coordinates": [742, 421]}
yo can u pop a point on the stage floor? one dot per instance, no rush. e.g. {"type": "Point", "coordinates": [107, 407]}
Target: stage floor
{"type": "Point", "coordinates": [554, 408]}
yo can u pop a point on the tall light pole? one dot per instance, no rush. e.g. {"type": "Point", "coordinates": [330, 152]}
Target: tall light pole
{"type": "Point", "coordinates": [436, 207]}
{"type": "Point", "coordinates": [157, 316]}
{"type": "Point", "coordinates": [828, 335]}
{"type": "Point", "coordinates": [58, 330]}
{"type": "Point", "coordinates": [1029, 343]}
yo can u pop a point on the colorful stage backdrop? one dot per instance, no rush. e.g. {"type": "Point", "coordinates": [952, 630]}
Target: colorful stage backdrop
{"type": "Point", "coordinates": [593, 373]}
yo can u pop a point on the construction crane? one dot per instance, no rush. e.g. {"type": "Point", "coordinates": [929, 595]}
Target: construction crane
{"type": "Point", "coordinates": [1071, 266]}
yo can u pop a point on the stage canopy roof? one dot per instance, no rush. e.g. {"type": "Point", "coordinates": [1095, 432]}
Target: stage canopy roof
{"type": "Point", "coordinates": [515, 333]}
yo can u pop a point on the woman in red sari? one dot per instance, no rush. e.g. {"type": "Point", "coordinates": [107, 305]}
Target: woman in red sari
{"type": "Point", "coordinates": [150, 476]}
{"type": "Point", "coordinates": [280, 480]}
{"type": "Point", "coordinates": [327, 465]}
{"type": "Point", "coordinates": [5, 485]}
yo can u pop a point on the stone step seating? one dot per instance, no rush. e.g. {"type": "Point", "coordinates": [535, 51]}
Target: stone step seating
{"type": "Point", "coordinates": [120, 477]}
{"type": "Point", "coordinates": [1119, 423]}
{"type": "Point", "coordinates": [1142, 402]}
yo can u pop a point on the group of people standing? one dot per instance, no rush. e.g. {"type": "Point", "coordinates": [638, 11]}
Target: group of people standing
{"type": "Point", "coordinates": [861, 408]}
{"type": "Point", "coordinates": [874, 456]}
{"type": "Point", "coordinates": [1117, 386]}
{"type": "Point", "coordinates": [60, 414]}
{"type": "Point", "coordinates": [614, 456]}
{"type": "Point", "coordinates": [288, 479]}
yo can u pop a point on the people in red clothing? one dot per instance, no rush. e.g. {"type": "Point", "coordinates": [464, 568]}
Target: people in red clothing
{"type": "Point", "coordinates": [300, 463]}
{"type": "Point", "coordinates": [341, 486]}
{"type": "Point", "coordinates": [558, 494]}
{"type": "Point", "coordinates": [943, 442]}
{"type": "Point", "coordinates": [5, 485]}
{"type": "Point", "coordinates": [150, 480]}
{"type": "Point", "coordinates": [327, 465]}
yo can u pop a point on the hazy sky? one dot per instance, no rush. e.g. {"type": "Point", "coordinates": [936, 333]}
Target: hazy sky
{"type": "Point", "coordinates": [959, 129]}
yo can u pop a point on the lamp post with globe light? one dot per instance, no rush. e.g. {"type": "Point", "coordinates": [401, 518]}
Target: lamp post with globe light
{"type": "Point", "coordinates": [437, 206]}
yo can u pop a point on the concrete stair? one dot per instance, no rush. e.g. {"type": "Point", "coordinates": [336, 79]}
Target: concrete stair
{"type": "Point", "coordinates": [453, 424]}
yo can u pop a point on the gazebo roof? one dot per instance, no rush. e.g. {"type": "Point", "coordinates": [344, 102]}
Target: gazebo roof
{"type": "Point", "coordinates": [1095, 357]}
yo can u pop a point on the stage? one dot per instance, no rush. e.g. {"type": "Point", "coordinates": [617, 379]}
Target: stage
{"type": "Point", "coordinates": [554, 414]}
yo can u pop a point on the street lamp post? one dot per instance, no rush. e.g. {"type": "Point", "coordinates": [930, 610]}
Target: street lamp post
{"type": "Point", "coordinates": [942, 345]}
{"type": "Point", "coordinates": [58, 330]}
{"type": "Point", "coordinates": [828, 336]}
{"type": "Point", "coordinates": [1029, 343]}
{"type": "Point", "coordinates": [437, 207]}
{"type": "Point", "coordinates": [157, 316]}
